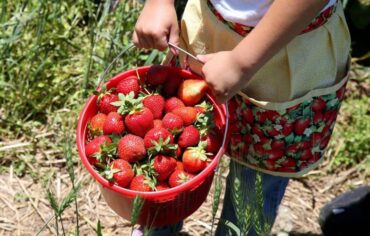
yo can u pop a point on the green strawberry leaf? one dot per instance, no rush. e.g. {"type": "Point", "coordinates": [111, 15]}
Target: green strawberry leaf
{"type": "Point", "coordinates": [289, 139]}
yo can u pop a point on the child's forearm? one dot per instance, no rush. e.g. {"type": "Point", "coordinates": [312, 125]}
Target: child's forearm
{"type": "Point", "coordinates": [284, 20]}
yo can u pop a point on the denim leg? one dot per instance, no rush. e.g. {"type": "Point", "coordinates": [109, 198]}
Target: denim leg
{"type": "Point", "coordinates": [273, 188]}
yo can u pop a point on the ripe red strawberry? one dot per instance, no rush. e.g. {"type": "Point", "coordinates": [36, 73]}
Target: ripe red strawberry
{"type": "Point", "coordinates": [189, 137]}
{"type": "Point", "coordinates": [293, 148]}
{"type": "Point", "coordinates": [173, 123]}
{"type": "Point", "coordinates": [157, 74]}
{"type": "Point", "coordinates": [164, 166]}
{"type": "Point", "coordinates": [289, 163]}
{"type": "Point", "coordinates": [179, 165]}
{"type": "Point", "coordinates": [113, 124]}
{"type": "Point", "coordinates": [172, 104]}
{"type": "Point", "coordinates": [318, 117]}
{"type": "Point", "coordinates": [155, 135]}
{"type": "Point", "coordinates": [194, 159]}
{"type": "Point", "coordinates": [270, 164]}
{"type": "Point", "coordinates": [316, 138]}
{"type": "Point", "coordinates": [260, 149]}
{"type": "Point", "coordinates": [301, 125]}
{"type": "Point", "coordinates": [278, 144]}
{"type": "Point", "coordinates": [287, 129]}
{"type": "Point", "coordinates": [94, 148]}
{"type": "Point", "coordinates": [129, 84]}
{"type": "Point", "coordinates": [178, 152]}
{"type": "Point", "coordinates": [139, 122]}
{"type": "Point", "coordinates": [261, 116]}
{"type": "Point", "coordinates": [318, 104]}
{"type": "Point", "coordinates": [324, 142]}
{"type": "Point", "coordinates": [123, 173]}
{"type": "Point", "coordinates": [179, 177]}
{"type": "Point", "coordinates": [272, 132]}
{"type": "Point", "coordinates": [97, 122]}
{"type": "Point", "coordinates": [214, 141]}
{"type": "Point", "coordinates": [340, 93]}
{"type": "Point", "coordinates": [162, 186]}
{"type": "Point", "coordinates": [187, 114]}
{"type": "Point", "coordinates": [191, 91]}
{"type": "Point", "coordinates": [247, 115]}
{"type": "Point", "coordinates": [141, 183]}
{"type": "Point", "coordinates": [306, 155]}
{"type": "Point", "coordinates": [275, 154]}
{"type": "Point", "coordinates": [172, 84]}
{"type": "Point", "coordinates": [157, 123]}
{"type": "Point", "coordinates": [258, 131]}
{"type": "Point", "coordinates": [104, 103]}
{"type": "Point", "coordinates": [155, 103]}
{"type": "Point", "coordinates": [272, 115]}
{"type": "Point", "coordinates": [131, 148]}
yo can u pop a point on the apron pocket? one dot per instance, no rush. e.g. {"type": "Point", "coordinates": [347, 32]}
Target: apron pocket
{"type": "Point", "coordinates": [286, 139]}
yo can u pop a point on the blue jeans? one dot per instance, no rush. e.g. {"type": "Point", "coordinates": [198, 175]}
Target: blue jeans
{"type": "Point", "coordinates": [273, 188]}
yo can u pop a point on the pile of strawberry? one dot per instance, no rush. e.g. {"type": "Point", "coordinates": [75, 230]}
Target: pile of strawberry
{"type": "Point", "coordinates": [152, 132]}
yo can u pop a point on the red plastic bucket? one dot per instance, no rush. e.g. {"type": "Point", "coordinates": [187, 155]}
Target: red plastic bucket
{"type": "Point", "coordinates": [163, 207]}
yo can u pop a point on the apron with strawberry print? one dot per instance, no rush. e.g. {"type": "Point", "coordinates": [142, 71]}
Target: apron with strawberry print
{"type": "Point", "coordinates": [282, 120]}
{"type": "Point", "coordinates": [287, 142]}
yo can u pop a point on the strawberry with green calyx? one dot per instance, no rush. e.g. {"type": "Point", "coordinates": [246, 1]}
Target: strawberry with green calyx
{"type": "Point", "coordinates": [105, 100]}
{"type": "Point", "coordinates": [187, 114]}
{"type": "Point", "coordinates": [301, 125]}
{"type": "Point", "coordinates": [189, 137]}
{"type": "Point", "coordinates": [140, 118]}
{"type": "Point", "coordinates": [173, 123]}
{"type": "Point", "coordinates": [191, 91]}
{"type": "Point", "coordinates": [162, 186]}
{"type": "Point", "coordinates": [204, 107]}
{"type": "Point", "coordinates": [204, 122]}
{"type": "Point", "coordinates": [120, 172]}
{"type": "Point", "coordinates": [164, 166]}
{"type": "Point", "coordinates": [164, 147]}
{"type": "Point", "coordinates": [131, 148]}
{"type": "Point", "coordinates": [155, 103]}
{"type": "Point", "coordinates": [127, 103]}
{"type": "Point", "coordinates": [195, 159]}
{"type": "Point", "coordinates": [179, 177]}
{"type": "Point", "coordinates": [139, 122]}
{"type": "Point", "coordinates": [98, 149]}
{"type": "Point", "coordinates": [113, 124]}
{"type": "Point", "coordinates": [157, 74]}
{"type": "Point", "coordinates": [146, 169]}
{"type": "Point", "coordinates": [129, 85]}
{"type": "Point", "coordinates": [155, 135]}
{"type": "Point", "coordinates": [142, 183]}
{"type": "Point", "coordinates": [214, 141]}
{"type": "Point", "coordinates": [96, 124]}
{"type": "Point", "coordinates": [173, 103]}
{"type": "Point", "coordinates": [318, 104]}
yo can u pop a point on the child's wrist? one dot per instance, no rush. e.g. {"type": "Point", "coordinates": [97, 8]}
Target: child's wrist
{"type": "Point", "coordinates": [245, 62]}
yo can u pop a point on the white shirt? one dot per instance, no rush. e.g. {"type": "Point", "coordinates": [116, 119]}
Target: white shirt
{"type": "Point", "coordinates": [246, 12]}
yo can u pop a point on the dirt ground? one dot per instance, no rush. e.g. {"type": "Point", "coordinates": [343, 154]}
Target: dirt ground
{"type": "Point", "coordinates": [25, 209]}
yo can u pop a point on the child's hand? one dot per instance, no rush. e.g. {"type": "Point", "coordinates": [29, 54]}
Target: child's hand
{"type": "Point", "coordinates": [156, 25]}
{"type": "Point", "coordinates": [224, 74]}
